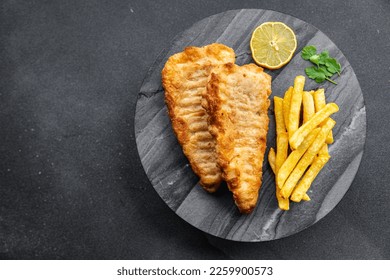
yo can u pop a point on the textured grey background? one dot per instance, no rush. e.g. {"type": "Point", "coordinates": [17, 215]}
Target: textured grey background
{"type": "Point", "coordinates": [71, 183]}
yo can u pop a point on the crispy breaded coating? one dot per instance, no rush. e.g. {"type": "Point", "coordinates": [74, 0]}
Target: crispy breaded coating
{"type": "Point", "coordinates": [237, 103]}
{"type": "Point", "coordinates": [184, 79]}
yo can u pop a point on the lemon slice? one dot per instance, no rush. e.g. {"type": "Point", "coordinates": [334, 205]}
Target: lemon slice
{"type": "Point", "coordinates": [273, 44]}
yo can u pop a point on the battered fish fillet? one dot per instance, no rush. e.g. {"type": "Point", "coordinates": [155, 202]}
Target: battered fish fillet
{"type": "Point", "coordinates": [237, 103]}
{"type": "Point", "coordinates": [184, 79]}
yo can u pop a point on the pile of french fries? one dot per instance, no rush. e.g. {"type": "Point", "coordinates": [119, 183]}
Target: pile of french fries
{"type": "Point", "coordinates": [301, 145]}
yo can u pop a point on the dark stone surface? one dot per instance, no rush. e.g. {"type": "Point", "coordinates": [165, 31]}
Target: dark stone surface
{"type": "Point", "coordinates": [70, 75]}
{"type": "Point", "coordinates": [171, 175]}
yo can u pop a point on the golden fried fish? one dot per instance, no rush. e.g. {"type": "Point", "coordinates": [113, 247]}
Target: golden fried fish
{"type": "Point", "coordinates": [184, 79]}
{"type": "Point", "coordinates": [237, 103]}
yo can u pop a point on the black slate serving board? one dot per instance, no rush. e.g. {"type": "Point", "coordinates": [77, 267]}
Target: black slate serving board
{"type": "Point", "coordinates": [168, 169]}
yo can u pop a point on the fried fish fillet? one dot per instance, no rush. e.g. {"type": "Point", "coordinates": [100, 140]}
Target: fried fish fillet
{"type": "Point", "coordinates": [237, 103]}
{"type": "Point", "coordinates": [184, 79]}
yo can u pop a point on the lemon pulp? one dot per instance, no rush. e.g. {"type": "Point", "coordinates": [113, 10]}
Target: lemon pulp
{"type": "Point", "coordinates": [273, 44]}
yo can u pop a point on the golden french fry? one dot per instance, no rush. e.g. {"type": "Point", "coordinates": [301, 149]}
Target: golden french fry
{"type": "Point", "coordinates": [286, 105]}
{"type": "Point", "coordinates": [281, 134]}
{"type": "Point", "coordinates": [281, 147]}
{"type": "Point", "coordinates": [323, 114]}
{"type": "Point", "coordinates": [319, 103]}
{"type": "Point", "coordinates": [272, 159]}
{"type": "Point", "coordinates": [281, 150]}
{"type": "Point", "coordinates": [292, 160]}
{"type": "Point", "coordinates": [308, 106]}
{"type": "Point", "coordinates": [295, 106]}
{"type": "Point", "coordinates": [324, 149]}
{"type": "Point", "coordinates": [307, 159]}
{"type": "Point", "coordinates": [305, 183]}
{"type": "Point", "coordinates": [279, 118]}
{"type": "Point", "coordinates": [283, 203]}
{"type": "Point", "coordinates": [281, 155]}
{"type": "Point", "coordinates": [319, 99]}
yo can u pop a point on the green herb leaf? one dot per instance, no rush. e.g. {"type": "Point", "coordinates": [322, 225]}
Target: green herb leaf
{"type": "Point", "coordinates": [316, 74]}
{"type": "Point", "coordinates": [333, 66]}
{"type": "Point", "coordinates": [327, 66]}
{"type": "Point", "coordinates": [327, 73]}
{"type": "Point", "coordinates": [323, 57]}
{"type": "Point", "coordinates": [308, 52]}
{"type": "Point", "coordinates": [315, 59]}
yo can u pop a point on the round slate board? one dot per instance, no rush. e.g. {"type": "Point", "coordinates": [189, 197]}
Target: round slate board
{"type": "Point", "coordinates": [168, 169]}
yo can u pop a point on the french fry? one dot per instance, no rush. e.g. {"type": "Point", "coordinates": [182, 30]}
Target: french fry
{"type": "Point", "coordinates": [308, 106]}
{"type": "Point", "coordinates": [305, 183]}
{"type": "Point", "coordinates": [292, 160]}
{"type": "Point", "coordinates": [281, 201]}
{"type": "Point", "coordinates": [286, 105]}
{"type": "Point", "coordinates": [272, 159]}
{"type": "Point", "coordinates": [319, 99]}
{"type": "Point", "coordinates": [319, 102]}
{"type": "Point", "coordinates": [281, 155]}
{"type": "Point", "coordinates": [281, 147]}
{"type": "Point", "coordinates": [281, 150]}
{"type": "Point", "coordinates": [298, 136]}
{"type": "Point", "coordinates": [307, 159]}
{"type": "Point", "coordinates": [279, 118]}
{"type": "Point", "coordinates": [324, 149]}
{"type": "Point", "coordinates": [281, 134]}
{"type": "Point", "coordinates": [295, 106]}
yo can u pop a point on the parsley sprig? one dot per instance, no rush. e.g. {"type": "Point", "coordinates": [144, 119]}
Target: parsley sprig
{"type": "Point", "coordinates": [325, 66]}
